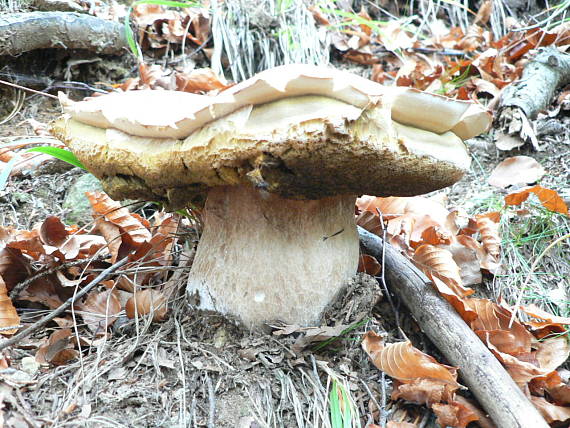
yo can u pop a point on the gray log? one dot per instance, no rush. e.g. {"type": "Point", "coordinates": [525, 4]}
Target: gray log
{"type": "Point", "coordinates": [501, 398]}
{"type": "Point", "coordinates": [23, 32]}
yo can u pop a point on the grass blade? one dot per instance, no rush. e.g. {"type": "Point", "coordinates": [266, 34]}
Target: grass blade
{"type": "Point", "coordinates": [61, 154]}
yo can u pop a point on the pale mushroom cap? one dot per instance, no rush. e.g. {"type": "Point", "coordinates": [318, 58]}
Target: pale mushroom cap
{"type": "Point", "coordinates": [306, 147]}
{"type": "Point", "coordinates": [171, 114]}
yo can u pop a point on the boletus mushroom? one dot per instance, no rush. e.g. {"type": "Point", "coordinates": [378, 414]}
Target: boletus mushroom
{"type": "Point", "coordinates": [281, 158]}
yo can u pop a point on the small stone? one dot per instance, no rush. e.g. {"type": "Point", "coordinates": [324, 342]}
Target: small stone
{"type": "Point", "coordinates": [76, 203]}
{"type": "Point", "coordinates": [30, 365]}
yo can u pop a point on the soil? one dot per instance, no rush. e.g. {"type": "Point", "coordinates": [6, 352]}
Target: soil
{"type": "Point", "coordinates": [199, 369]}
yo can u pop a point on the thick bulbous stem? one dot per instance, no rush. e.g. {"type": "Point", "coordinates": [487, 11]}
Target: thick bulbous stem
{"type": "Point", "coordinates": [263, 258]}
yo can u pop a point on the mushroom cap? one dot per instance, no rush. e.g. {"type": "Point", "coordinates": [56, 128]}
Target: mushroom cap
{"type": "Point", "coordinates": [298, 131]}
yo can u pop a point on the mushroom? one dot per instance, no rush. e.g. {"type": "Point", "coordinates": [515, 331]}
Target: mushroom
{"type": "Point", "coordinates": [282, 158]}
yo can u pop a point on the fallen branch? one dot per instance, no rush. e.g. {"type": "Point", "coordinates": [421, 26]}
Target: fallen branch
{"type": "Point", "coordinates": [23, 32]}
{"type": "Point", "coordinates": [501, 398]}
{"type": "Point", "coordinates": [62, 308]}
{"type": "Point", "coordinates": [524, 99]}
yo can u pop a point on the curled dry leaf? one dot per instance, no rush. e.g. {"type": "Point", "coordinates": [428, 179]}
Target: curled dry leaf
{"type": "Point", "coordinates": [369, 265]}
{"type": "Point", "coordinates": [145, 302]}
{"type": "Point", "coordinates": [58, 349]}
{"type": "Point", "coordinates": [549, 198]}
{"type": "Point", "coordinates": [516, 170]}
{"type": "Point", "coordinates": [552, 352]}
{"type": "Point", "coordinates": [404, 362]}
{"type": "Point", "coordinates": [423, 391]}
{"type": "Point", "coordinates": [8, 315]}
{"type": "Point", "coordinates": [14, 267]}
{"type": "Point", "coordinates": [488, 225]}
{"type": "Point", "coordinates": [100, 310]}
{"type": "Point", "coordinates": [467, 261]}
{"type": "Point", "coordinates": [551, 412]}
{"type": "Point", "coordinates": [454, 414]}
{"type": "Point", "coordinates": [544, 324]}
{"type": "Point", "coordinates": [434, 261]}
{"type": "Point", "coordinates": [493, 325]}
{"type": "Point", "coordinates": [53, 232]}
{"type": "Point", "coordinates": [200, 80]}
{"type": "Point", "coordinates": [113, 212]}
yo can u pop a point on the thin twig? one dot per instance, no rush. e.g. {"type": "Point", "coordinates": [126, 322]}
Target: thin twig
{"type": "Point", "coordinates": [18, 288]}
{"type": "Point", "coordinates": [61, 309]}
{"type": "Point", "coordinates": [23, 88]}
{"type": "Point", "coordinates": [212, 401]}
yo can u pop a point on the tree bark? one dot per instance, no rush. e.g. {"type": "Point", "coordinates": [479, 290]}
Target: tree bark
{"type": "Point", "coordinates": [23, 32]}
{"type": "Point", "coordinates": [501, 398]}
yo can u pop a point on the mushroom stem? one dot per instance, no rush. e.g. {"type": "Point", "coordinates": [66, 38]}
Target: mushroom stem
{"type": "Point", "coordinates": [262, 257]}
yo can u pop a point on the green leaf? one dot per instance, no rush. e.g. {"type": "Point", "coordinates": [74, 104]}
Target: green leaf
{"type": "Point", "coordinates": [61, 154]}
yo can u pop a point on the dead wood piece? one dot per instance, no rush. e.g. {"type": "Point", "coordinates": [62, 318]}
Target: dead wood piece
{"type": "Point", "coordinates": [524, 99]}
{"type": "Point", "coordinates": [23, 32]}
{"type": "Point", "coordinates": [479, 369]}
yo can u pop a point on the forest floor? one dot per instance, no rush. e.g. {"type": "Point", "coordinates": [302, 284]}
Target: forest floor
{"type": "Point", "coordinates": [196, 369]}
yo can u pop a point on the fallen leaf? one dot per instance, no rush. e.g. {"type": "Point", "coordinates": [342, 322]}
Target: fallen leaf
{"type": "Point", "coordinates": [369, 265]}
{"type": "Point", "coordinates": [488, 225]}
{"type": "Point", "coordinates": [453, 414]}
{"type": "Point", "coordinates": [551, 412]}
{"type": "Point", "coordinates": [404, 362]}
{"type": "Point", "coordinates": [8, 315]}
{"type": "Point", "coordinates": [549, 198]}
{"type": "Point", "coordinates": [516, 170]}
{"type": "Point", "coordinates": [99, 310]}
{"type": "Point", "coordinates": [147, 301]}
{"type": "Point", "coordinates": [434, 261]}
{"type": "Point", "coordinates": [58, 349]}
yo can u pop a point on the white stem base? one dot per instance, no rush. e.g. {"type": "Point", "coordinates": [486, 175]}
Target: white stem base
{"type": "Point", "coordinates": [264, 258]}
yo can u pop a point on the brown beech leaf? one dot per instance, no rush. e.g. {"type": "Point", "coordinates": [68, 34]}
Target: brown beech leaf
{"type": "Point", "coordinates": [483, 420]}
{"type": "Point", "coordinates": [549, 198]}
{"type": "Point", "coordinates": [522, 372]}
{"type": "Point", "coordinates": [404, 362]}
{"type": "Point", "coordinates": [492, 325]}
{"type": "Point", "coordinates": [454, 414]}
{"type": "Point", "coordinates": [200, 80]}
{"type": "Point", "coordinates": [100, 310]}
{"type": "Point", "coordinates": [145, 302]}
{"type": "Point", "coordinates": [553, 352]}
{"type": "Point", "coordinates": [488, 225]}
{"type": "Point", "coordinates": [423, 391]}
{"type": "Point", "coordinates": [112, 235]}
{"type": "Point", "coordinates": [8, 315]}
{"type": "Point", "coordinates": [516, 170]}
{"type": "Point", "coordinates": [419, 212]}
{"type": "Point", "coordinates": [14, 267]}
{"type": "Point", "coordinates": [457, 302]}
{"type": "Point", "coordinates": [369, 265]}
{"type": "Point", "coordinates": [546, 317]}
{"type": "Point", "coordinates": [434, 261]}
{"type": "Point", "coordinates": [114, 213]}
{"type": "Point", "coordinates": [58, 349]}
{"type": "Point", "coordinates": [435, 235]}
{"type": "Point", "coordinates": [53, 232]}
{"type": "Point", "coordinates": [467, 262]}
{"type": "Point", "coordinates": [551, 412]}
{"type": "Point", "coordinates": [486, 261]}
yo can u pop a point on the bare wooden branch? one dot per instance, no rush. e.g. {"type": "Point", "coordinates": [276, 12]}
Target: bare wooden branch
{"type": "Point", "coordinates": [501, 398]}
{"type": "Point", "coordinates": [525, 98]}
{"type": "Point", "coordinates": [23, 32]}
